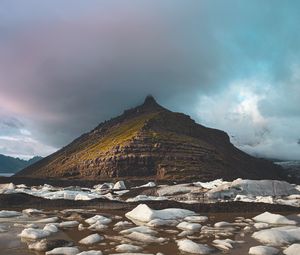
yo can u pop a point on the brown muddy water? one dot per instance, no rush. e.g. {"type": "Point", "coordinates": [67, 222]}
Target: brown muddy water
{"type": "Point", "coordinates": [12, 244]}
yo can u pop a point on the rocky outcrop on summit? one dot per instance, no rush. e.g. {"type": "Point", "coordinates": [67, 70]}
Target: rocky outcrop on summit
{"type": "Point", "coordinates": [150, 141]}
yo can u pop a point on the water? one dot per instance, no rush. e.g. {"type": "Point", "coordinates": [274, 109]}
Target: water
{"type": "Point", "coordinates": [6, 174]}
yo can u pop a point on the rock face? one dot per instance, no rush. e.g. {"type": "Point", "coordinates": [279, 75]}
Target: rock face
{"type": "Point", "coordinates": [151, 141]}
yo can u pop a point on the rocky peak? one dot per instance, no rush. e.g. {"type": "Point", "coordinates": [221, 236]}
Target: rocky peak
{"type": "Point", "coordinates": [150, 103]}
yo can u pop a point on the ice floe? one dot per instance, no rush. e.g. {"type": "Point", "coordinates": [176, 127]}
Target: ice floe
{"type": "Point", "coordinates": [189, 226]}
{"type": "Point", "coordinates": [32, 233]}
{"type": "Point", "coordinates": [145, 238]}
{"type": "Point", "coordinates": [272, 218]}
{"type": "Point", "coordinates": [98, 218]}
{"type": "Point", "coordinates": [263, 250]}
{"type": "Point", "coordinates": [9, 214]}
{"type": "Point", "coordinates": [119, 185]}
{"type": "Point", "coordinates": [91, 252]}
{"type": "Point", "coordinates": [128, 248]}
{"type": "Point", "coordinates": [187, 245]}
{"type": "Point", "coordinates": [142, 213]}
{"type": "Point", "coordinates": [278, 236]}
{"type": "Point", "coordinates": [211, 184]}
{"type": "Point", "coordinates": [196, 218]}
{"type": "Point", "coordinates": [252, 188]}
{"type": "Point", "coordinates": [91, 239]}
{"type": "Point", "coordinates": [50, 228]}
{"type": "Point", "coordinates": [46, 244]}
{"type": "Point", "coordinates": [145, 198]}
{"type": "Point", "coordinates": [68, 224]}
{"type": "Point", "coordinates": [293, 249]}
{"type": "Point", "coordinates": [147, 185]}
{"type": "Point", "coordinates": [63, 251]}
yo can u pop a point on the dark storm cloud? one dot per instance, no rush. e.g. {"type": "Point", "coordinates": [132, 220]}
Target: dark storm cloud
{"type": "Point", "coordinates": [65, 66]}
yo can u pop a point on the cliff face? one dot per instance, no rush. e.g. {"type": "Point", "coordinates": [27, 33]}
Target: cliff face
{"type": "Point", "coordinates": [151, 141]}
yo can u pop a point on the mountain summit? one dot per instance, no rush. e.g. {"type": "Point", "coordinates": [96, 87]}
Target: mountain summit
{"type": "Point", "coordinates": [149, 141]}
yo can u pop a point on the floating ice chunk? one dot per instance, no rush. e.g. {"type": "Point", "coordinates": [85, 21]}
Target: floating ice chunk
{"type": "Point", "coordinates": [122, 224]}
{"type": "Point", "coordinates": [143, 213]}
{"type": "Point", "coordinates": [292, 250]}
{"type": "Point", "coordinates": [145, 238]}
{"type": "Point", "coordinates": [47, 220]}
{"type": "Point", "coordinates": [63, 251]}
{"type": "Point", "coordinates": [274, 219]}
{"type": "Point", "coordinates": [46, 244]}
{"type": "Point", "coordinates": [211, 184]}
{"type": "Point", "coordinates": [104, 186]}
{"type": "Point", "coordinates": [261, 225]}
{"type": "Point", "coordinates": [145, 198]}
{"type": "Point", "coordinates": [222, 224]}
{"type": "Point", "coordinates": [81, 227]}
{"type": "Point", "coordinates": [92, 252]}
{"type": "Point", "coordinates": [159, 222]}
{"type": "Point", "coordinates": [140, 229]}
{"type": "Point", "coordinates": [189, 226]}
{"type": "Point", "coordinates": [31, 233]}
{"type": "Point", "coordinates": [91, 239]}
{"type": "Point", "coordinates": [222, 244]}
{"type": "Point", "coordinates": [69, 224]}
{"type": "Point", "coordinates": [196, 218]}
{"type": "Point", "coordinates": [7, 188]}
{"type": "Point", "coordinates": [148, 185]}
{"type": "Point", "coordinates": [9, 214]}
{"type": "Point", "coordinates": [263, 250]}
{"type": "Point", "coordinates": [119, 185]}
{"type": "Point", "coordinates": [98, 226]}
{"type": "Point", "coordinates": [185, 233]}
{"type": "Point", "coordinates": [84, 196]}
{"type": "Point", "coordinates": [252, 188]}
{"type": "Point", "coordinates": [175, 189]}
{"type": "Point", "coordinates": [187, 245]}
{"type": "Point", "coordinates": [278, 236]}
{"type": "Point", "coordinates": [98, 218]}
{"type": "Point", "coordinates": [51, 228]}
{"type": "Point", "coordinates": [128, 248]}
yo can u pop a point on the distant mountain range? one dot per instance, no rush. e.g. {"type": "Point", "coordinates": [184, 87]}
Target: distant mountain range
{"type": "Point", "coordinates": [149, 141]}
{"type": "Point", "coordinates": [13, 165]}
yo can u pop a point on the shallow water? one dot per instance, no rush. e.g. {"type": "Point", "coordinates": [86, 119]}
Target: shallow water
{"type": "Point", "coordinates": [11, 244]}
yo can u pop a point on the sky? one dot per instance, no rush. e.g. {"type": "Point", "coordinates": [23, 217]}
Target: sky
{"type": "Point", "coordinates": [67, 65]}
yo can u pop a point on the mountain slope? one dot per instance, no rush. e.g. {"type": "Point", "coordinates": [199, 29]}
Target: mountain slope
{"type": "Point", "coordinates": [151, 141]}
{"type": "Point", "coordinates": [12, 165]}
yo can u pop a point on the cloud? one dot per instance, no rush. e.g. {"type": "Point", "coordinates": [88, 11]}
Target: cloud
{"type": "Point", "coordinates": [241, 111]}
{"type": "Point", "coordinates": [66, 67]}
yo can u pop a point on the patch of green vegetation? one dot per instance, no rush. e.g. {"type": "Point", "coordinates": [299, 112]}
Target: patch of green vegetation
{"type": "Point", "coordinates": [117, 135]}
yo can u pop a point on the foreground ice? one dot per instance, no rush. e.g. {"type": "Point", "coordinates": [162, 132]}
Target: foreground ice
{"type": "Point", "coordinates": [294, 249]}
{"type": "Point", "coordinates": [272, 218]}
{"type": "Point", "coordinates": [278, 236]}
{"type": "Point", "coordinates": [142, 213]}
{"type": "Point", "coordinates": [32, 233]}
{"type": "Point", "coordinates": [187, 245]}
{"type": "Point", "coordinates": [91, 239]}
{"type": "Point", "coordinates": [145, 238]}
{"type": "Point", "coordinates": [128, 248]}
{"type": "Point", "coordinates": [263, 250]}
{"type": "Point", "coordinates": [63, 251]}
{"type": "Point", "coordinates": [91, 252]}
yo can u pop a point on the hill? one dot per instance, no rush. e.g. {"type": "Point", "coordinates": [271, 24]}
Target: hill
{"type": "Point", "coordinates": [12, 165]}
{"type": "Point", "coordinates": [150, 141]}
